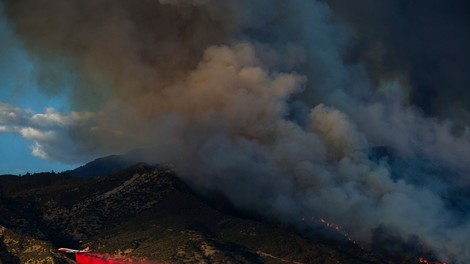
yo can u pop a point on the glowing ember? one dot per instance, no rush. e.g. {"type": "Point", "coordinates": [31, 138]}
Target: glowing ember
{"type": "Point", "coordinates": [331, 226]}
{"type": "Point", "coordinates": [341, 231]}
{"type": "Point", "coordinates": [423, 260]}
{"type": "Point", "coordinates": [337, 228]}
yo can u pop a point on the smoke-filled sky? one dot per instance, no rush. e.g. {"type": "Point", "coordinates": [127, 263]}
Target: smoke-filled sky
{"type": "Point", "coordinates": [354, 111]}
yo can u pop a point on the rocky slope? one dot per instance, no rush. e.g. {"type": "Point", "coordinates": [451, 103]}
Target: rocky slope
{"type": "Point", "coordinates": [146, 211]}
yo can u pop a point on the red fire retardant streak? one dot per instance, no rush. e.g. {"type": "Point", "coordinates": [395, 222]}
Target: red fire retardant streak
{"type": "Point", "coordinates": [97, 258]}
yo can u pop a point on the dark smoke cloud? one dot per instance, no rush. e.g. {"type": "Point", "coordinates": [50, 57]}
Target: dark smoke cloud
{"type": "Point", "coordinates": [426, 42]}
{"type": "Point", "coordinates": [117, 49]}
{"type": "Point", "coordinates": [263, 101]}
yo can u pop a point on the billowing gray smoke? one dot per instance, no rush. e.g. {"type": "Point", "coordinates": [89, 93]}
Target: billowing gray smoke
{"type": "Point", "coordinates": [425, 41]}
{"type": "Point", "coordinates": [253, 99]}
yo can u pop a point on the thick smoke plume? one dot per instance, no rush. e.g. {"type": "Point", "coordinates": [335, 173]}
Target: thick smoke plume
{"type": "Point", "coordinates": [425, 41]}
{"type": "Point", "coordinates": [267, 102]}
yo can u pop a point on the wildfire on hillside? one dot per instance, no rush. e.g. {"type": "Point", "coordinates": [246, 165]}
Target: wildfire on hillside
{"type": "Point", "coordinates": [423, 260]}
{"type": "Point", "coordinates": [331, 226]}
{"type": "Point", "coordinates": [311, 106]}
{"type": "Point", "coordinates": [339, 230]}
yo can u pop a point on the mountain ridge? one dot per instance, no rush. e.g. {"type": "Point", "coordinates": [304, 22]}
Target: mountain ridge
{"type": "Point", "coordinates": [148, 212]}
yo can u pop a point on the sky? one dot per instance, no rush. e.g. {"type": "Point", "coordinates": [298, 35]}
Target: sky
{"type": "Point", "coordinates": [17, 87]}
{"type": "Point", "coordinates": [354, 111]}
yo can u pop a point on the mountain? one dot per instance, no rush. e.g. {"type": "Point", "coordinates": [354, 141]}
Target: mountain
{"type": "Point", "coordinates": [148, 212]}
{"type": "Point", "coordinates": [107, 165]}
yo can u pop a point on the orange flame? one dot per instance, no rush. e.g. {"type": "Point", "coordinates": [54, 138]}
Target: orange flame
{"type": "Point", "coordinates": [333, 226]}
{"type": "Point", "coordinates": [338, 229]}
{"type": "Point", "coordinates": [423, 260]}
